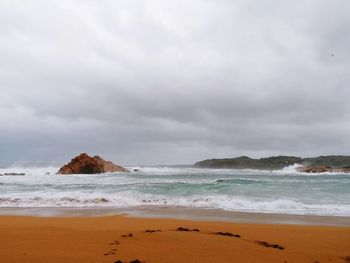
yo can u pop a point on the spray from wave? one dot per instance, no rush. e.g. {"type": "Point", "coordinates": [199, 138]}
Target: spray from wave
{"type": "Point", "coordinates": [283, 191]}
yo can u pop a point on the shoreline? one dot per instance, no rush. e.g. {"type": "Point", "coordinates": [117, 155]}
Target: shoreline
{"type": "Point", "coordinates": [157, 240]}
{"type": "Point", "coordinates": [183, 213]}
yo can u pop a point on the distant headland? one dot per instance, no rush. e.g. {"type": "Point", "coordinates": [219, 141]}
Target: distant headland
{"type": "Point", "coordinates": [330, 163]}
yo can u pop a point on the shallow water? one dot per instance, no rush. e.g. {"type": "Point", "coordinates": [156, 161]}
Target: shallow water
{"type": "Point", "coordinates": [285, 191]}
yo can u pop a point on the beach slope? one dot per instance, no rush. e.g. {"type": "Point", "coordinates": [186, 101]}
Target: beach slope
{"type": "Point", "coordinates": [113, 238]}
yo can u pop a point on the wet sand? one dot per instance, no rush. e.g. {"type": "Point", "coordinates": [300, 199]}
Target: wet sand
{"type": "Point", "coordinates": [113, 238]}
{"type": "Point", "coordinates": [185, 213]}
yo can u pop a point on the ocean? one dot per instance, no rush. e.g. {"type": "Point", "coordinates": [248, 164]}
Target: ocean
{"type": "Point", "coordinates": [284, 191]}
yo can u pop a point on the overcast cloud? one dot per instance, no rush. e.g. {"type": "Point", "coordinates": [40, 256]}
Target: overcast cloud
{"type": "Point", "coordinates": [150, 82]}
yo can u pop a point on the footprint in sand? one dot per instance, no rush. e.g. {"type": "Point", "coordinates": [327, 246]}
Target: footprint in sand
{"type": "Point", "coordinates": [116, 242]}
{"type": "Point", "coordinates": [113, 250]}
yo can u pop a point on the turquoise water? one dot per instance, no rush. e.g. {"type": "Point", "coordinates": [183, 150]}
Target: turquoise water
{"type": "Point", "coordinates": [284, 191]}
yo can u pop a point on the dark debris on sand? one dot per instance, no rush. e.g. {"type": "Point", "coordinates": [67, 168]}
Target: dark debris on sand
{"type": "Point", "coordinates": [347, 259]}
{"type": "Point", "coordinates": [187, 229]}
{"type": "Point", "coordinates": [128, 235]}
{"type": "Point", "coordinates": [132, 261]}
{"type": "Point", "coordinates": [228, 234]}
{"type": "Point", "coordinates": [265, 244]}
{"type": "Point", "coordinates": [152, 231]}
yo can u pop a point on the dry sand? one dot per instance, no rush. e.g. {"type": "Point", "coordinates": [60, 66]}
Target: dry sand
{"type": "Point", "coordinates": [100, 239]}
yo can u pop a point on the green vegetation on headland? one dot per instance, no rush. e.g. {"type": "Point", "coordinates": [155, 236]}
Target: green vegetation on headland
{"type": "Point", "coordinates": [276, 162]}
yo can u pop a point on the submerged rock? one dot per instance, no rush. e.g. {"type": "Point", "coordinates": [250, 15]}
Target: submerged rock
{"type": "Point", "coordinates": [85, 164]}
{"type": "Point", "coordinates": [12, 174]}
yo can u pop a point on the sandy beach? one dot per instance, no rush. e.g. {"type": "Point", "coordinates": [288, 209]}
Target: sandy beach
{"type": "Point", "coordinates": [113, 238]}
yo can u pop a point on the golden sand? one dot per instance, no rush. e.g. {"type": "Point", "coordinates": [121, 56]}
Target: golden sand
{"type": "Point", "coordinates": [100, 239]}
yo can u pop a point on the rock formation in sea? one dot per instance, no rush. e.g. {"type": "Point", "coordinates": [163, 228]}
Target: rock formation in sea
{"type": "Point", "coordinates": [85, 164]}
{"type": "Point", "coordinates": [324, 169]}
{"type": "Point", "coordinates": [315, 169]}
{"type": "Point", "coordinates": [12, 174]}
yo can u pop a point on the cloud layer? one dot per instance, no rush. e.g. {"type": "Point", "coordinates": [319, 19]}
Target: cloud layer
{"type": "Point", "coordinates": [149, 82]}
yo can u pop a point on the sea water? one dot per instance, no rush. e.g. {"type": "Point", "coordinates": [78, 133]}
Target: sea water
{"type": "Point", "coordinates": [285, 191]}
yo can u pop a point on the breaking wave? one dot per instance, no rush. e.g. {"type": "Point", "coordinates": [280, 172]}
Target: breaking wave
{"type": "Point", "coordinates": [285, 191]}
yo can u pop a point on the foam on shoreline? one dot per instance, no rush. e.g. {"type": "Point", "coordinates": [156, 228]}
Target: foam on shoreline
{"type": "Point", "coordinates": [182, 213]}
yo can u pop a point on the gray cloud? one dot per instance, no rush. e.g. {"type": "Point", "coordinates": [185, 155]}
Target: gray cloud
{"type": "Point", "coordinates": [173, 81]}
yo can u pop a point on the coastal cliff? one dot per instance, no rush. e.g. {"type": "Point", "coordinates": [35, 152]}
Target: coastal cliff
{"type": "Point", "coordinates": [244, 162]}
{"type": "Point", "coordinates": [331, 163]}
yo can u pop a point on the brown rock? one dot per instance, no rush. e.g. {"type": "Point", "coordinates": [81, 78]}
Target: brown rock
{"type": "Point", "coordinates": [85, 164]}
{"type": "Point", "coordinates": [346, 169]}
{"type": "Point", "coordinates": [324, 169]}
{"type": "Point", "coordinates": [316, 169]}
{"type": "Point", "coordinates": [110, 167]}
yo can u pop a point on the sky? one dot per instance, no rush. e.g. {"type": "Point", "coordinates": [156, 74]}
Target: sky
{"type": "Point", "coordinates": [173, 82]}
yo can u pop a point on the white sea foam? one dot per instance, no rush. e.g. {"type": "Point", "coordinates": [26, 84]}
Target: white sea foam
{"type": "Point", "coordinates": [291, 169]}
{"type": "Point", "coordinates": [284, 191]}
{"type": "Point", "coordinates": [218, 202]}
{"type": "Point", "coordinates": [30, 170]}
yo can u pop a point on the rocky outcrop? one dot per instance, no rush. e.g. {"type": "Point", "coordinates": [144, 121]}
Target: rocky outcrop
{"type": "Point", "coordinates": [324, 169]}
{"type": "Point", "coordinates": [346, 169]}
{"type": "Point", "coordinates": [316, 169]}
{"type": "Point", "coordinates": [110, 167]}
{"type": "Point", "coordinates": [85, 164]}
{"type": "Point", "coordinates": [12, 174]}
